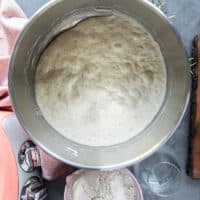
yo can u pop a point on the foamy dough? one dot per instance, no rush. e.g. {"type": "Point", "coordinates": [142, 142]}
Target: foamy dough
{"type": "Point", "coordinates": [101, 82]}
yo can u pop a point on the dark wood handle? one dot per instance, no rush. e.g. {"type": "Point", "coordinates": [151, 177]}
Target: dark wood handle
{"type": "Point", "coordinates": [196, 141]}
{"type": "Point", "coordinates": [194, 157]}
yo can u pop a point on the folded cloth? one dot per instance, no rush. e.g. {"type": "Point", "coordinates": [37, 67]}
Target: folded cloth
{"type": "Point", "coordinates": [12, 20]}
{"type": "Point", "coordinates": [53, 168]}
{"type": "Point", "coordinates": [8, 168]}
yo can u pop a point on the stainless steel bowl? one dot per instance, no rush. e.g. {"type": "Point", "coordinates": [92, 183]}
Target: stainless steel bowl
{"type": "Point", "coordinates": [58, 16]}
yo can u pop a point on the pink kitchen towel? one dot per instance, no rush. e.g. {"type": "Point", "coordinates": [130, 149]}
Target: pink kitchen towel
{"type": "Point", "coordinates": [12, 20]}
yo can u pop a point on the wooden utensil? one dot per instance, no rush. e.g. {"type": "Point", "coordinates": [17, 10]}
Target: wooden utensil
{"type": "Point", "coordinates": [193, 167]}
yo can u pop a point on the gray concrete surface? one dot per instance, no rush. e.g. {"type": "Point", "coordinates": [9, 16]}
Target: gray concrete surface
{"type": "Point", "coordinates": [187, 24]}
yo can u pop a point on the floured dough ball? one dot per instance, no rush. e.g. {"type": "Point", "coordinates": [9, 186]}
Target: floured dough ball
{"type": "Point", "coordinates": [101, 82]}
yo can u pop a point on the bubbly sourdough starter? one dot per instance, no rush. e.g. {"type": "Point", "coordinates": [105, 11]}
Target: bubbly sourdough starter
{"type": "Point", "coordinates": [102, 82]}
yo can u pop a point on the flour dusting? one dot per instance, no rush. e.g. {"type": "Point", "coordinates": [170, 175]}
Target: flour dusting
{"type": "Point", "coordinates": [99, 185]}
